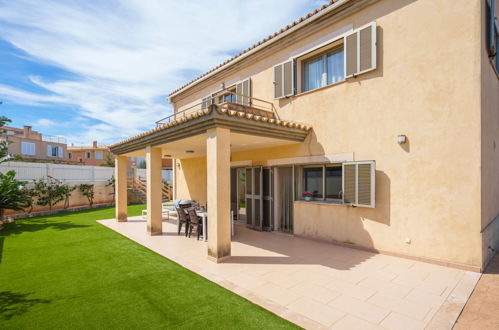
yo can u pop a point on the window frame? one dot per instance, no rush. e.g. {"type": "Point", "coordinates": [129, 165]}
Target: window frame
{"type": "Point", "coordinates": [324, 76]}
{"type": "Point", "coordinates": [28, 147]}
{"type": "Point", "coordinates": [88, 155]}
{"type": "Point", "coordinates": [323, 166]}
{"type": "Point", "coordinates": [101, 155]}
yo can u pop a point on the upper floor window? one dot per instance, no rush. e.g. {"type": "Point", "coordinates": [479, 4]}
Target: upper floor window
{"type": "Point", "coordinates": [88, 155]}
{"type": "Point", "coordinates": [324, 69]}
{"type": "Point", "coordinates": [98, 155]}
{"type": "Point", "coordinates": [54, 151]}
{"type": "Point", "coordinates": [28, 148]}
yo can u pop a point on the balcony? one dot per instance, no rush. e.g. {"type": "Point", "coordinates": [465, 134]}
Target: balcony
{"type": "Point", "coordinates": [54, 139]}
{"type": "Point", "coordinates": [242, 105]}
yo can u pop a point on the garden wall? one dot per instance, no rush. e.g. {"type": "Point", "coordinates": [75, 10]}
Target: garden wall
{"type": "Point", "coordinates": [72, 175]}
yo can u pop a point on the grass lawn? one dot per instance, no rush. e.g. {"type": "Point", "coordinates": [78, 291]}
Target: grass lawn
{"type": "Point", "coordinates": [68, 271]}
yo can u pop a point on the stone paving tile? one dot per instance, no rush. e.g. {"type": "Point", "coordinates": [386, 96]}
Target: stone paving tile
{"type": "Point", "coordinates": [397, 321]}
{"type": "Point", "coordinates": [321, 313]}
{"type": "Point", "coordinates": [402, 306]}
{"type": "Point", "coordinates": [316, 292]}
{"type": "Point", "coordinates": [352, 290]}
{"type": "Point", "coordinates": [361, 309]}
{"type": "Point", "coordinates": [350, 322]}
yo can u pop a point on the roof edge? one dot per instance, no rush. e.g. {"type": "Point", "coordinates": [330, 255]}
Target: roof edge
{"type": "Point", "coordinates": [245, 53]}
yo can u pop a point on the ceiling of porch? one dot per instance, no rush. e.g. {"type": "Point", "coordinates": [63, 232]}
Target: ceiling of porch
{"type": "Point", "coordinates": [195, 146]}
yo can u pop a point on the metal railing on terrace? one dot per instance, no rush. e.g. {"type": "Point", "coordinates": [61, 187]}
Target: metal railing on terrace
{"type": "Point", "coordinates": [54, 139]}
{"type": "Point", "coordinates": [233, 100]}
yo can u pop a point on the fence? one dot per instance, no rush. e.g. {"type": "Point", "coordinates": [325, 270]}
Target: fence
{"type": "Point", "coordinates": [166, 174]}
{"type": "Point", "coordinates": [69, 173]}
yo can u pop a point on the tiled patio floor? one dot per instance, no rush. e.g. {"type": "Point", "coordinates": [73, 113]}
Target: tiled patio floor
{"type": "Point", "coordinates": [320, 285]}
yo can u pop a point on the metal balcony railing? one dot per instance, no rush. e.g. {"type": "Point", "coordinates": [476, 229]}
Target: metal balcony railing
{"type": "Point", "coordinates": [239, 102]}
{"type": "Point", "coordinates": [54, 139]}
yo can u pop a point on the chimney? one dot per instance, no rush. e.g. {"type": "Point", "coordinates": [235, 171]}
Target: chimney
{"type": "Point", "coordinates": [94, 144]}
{"type": "Point", "coordinates": [27, 130]}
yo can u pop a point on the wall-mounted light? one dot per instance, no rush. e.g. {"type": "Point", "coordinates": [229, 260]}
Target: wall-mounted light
{"type": "Point", "coordinates": [222, 85]}
{"type": "Point", "coordinates": [401, 139]}
{"type": "Point", "coordinates": [189, 151]}
{"type": "Point", "coordinates": [167, 156]}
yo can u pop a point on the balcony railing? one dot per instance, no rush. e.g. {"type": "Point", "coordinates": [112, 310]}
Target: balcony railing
{"type": "Point", "coordinates": [233, 100]}
{"type": "Point", "coordinates": [54, 139]}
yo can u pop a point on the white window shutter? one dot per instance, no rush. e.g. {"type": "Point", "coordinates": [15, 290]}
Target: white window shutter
{"type": "Point", "coordinates": [243, 91]}
{"type": "Point", "coordinates": [33, 149]}
{"type": "Point", "coordinates": [360, 51]}
{"type": "Point", "coordinates": [49, 150]}
{"type": "Point", "coordinates": [278, 81]}
{"type": "Point", "coordinates": [60, 152]}
{"type": "Point", "coordinates": [24, 148]}
{"type": "Point", "coordinates": [284, 79]}
{"type": "Point", "coordinates": [359, 183]}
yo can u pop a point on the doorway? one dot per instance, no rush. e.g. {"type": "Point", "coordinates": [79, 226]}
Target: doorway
{"type": "Point", "coordinates": [259, 197]}
{"type": "Point", "coordinates": [284, 199]}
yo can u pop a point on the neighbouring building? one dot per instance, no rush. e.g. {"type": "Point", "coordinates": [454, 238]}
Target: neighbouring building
{"type": "Point", "coordinates": [369, 123]}
{"type": "Point", "coordinates": [32, 145]}
{"type": "Point", "coordinates": [94, 155]}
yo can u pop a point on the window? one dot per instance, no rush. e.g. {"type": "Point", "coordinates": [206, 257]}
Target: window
{"type": "Point", "coordinates": [320, 180]}
{"type": "Point", "coordinates": [324, 69]}
{"type": "Point", "coordinates": [88, 155]}
{"type": "Point", "coordinates": [333, 182]}
{"type": "Point", "coordinates": [313, 180]}
{"type": "Point", "coordinates": [69, 155]}
{"type": "Point", "coordinates": [55, 151]}
{"type": "Point", "coordinates": [98, 155]}
{"type": "Point", "coordinates": [28, 148]}
{"type": "Point", "coordinates": [351, 183]}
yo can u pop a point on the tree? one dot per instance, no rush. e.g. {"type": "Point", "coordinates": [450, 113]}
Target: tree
{"type": "Point", "coordinates": [109, 161]}
{"type": "Point", "coordinates": [30, 193]}
{"type": "Point", "coordinates": [87, 190]}
{"type": "Point", "coordinates": [111, 182]}
{"type": "Point", "coordinates": [51, 191]}
{"type": "Point", "coordinates": [66, 191]}
{"type": "Point", "coordinates": [4, 144]}
{"type": "Point", "coordinates": [142, 164]}
{"type": "Point", "coordinates": [11, 194]}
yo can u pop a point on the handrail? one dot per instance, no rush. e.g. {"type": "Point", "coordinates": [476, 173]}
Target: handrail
{"type": "Point", "coordinates": [250, 102]}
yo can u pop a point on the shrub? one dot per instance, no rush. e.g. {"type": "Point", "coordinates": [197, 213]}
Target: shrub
{"type": "Point", "coordinates": [12, 196]}
{"type": "Point", "coordinates": [50, 191]}
{"type": "Point", "coordinates": [87, 190]}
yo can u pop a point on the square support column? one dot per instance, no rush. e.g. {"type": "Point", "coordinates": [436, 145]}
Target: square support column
{"type": "Point", "coordinates": [154, 183]}
{"type": "Point", "coordinates": [121, 199]}
{"type": "Point", "coordinates": [218, 193]}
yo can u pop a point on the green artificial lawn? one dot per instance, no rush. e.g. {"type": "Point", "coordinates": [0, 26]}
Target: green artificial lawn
{"type": "Point", "coordinates": [68, 271]}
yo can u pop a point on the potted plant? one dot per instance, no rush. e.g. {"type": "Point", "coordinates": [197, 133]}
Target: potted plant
{"type": "Point", "coordinates": [307, 195]}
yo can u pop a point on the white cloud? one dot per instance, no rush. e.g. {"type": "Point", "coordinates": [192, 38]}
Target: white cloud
{"type": "Point", "coordinates": [44, 123]}
{"type": "Point", "coordinates": [128, 55]}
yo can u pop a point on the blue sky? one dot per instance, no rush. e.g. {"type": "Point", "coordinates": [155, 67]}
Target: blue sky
{"type": "Point", "coordinates": [101, 70]}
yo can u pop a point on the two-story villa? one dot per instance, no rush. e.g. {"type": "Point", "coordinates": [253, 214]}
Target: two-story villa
{"type": "Point", "coordinates": [372, 123]}
{"type": "Point", "coordinates": [33, 145]}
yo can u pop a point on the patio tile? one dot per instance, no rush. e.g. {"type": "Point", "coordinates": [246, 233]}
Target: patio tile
{"type": "Point", "coordinates": [360, 309]}
{"type": "Point", "coordinates": [397, 321]}
{"type": "Point", "coordinates": [402, 306]}
{"type": "Point", "coordinates": [385, 287]}
{"type": "Point", "coordinates": [276, 293]}
{"type": "Point", "coordinates": [426, 299]}
{"type": "Point", "coordinates": [352, 290]}
{"type": "Point", "coordinates": [350, 322]}
{"type": "Point", "coordinates": [246, 281]}
{"type": "Point", "coordinates": [316, 292]}
{"type": "Point", "coordinates": [316, 311]}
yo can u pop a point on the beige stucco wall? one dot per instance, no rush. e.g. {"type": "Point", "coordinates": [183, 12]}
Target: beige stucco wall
{"type": "Point", "coordinates": [489, 148]}
{"type": "Point", "coordinates": [427, 86]}
{"type": "Point", "coordinates": [40, 148]}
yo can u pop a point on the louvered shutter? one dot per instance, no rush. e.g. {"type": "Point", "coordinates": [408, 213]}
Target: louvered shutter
{"type": "Point", "coordinates": [278, 83]}
{"type": "Point", "coordinates": [284, 79]}
{"type": "Point", "coordinates": [360, 51]}
{"type": "Point", "coordinates": [60, 152]}
{"type": "Point", "coordinates": [359, 183]}
{"type": "Point", "coordinates": [49, 150]}
{"type": "Point", "coordinates": [243, 91]}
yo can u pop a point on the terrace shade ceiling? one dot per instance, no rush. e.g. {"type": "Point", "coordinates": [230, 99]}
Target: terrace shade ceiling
{"type": "Point", "coordinates": [197, 144]}
{"type": "Point", "coordinates": [248, 131]}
